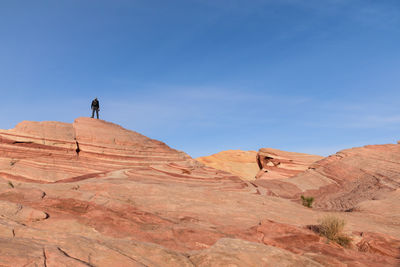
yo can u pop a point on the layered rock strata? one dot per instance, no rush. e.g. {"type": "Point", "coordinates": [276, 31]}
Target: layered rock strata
{"type": "Point", "coordinates": [94, 194]}
{"type": "Point", "coordinates": [239, 162]}
{"type": "Point", "coordinates": [347, 180]}
{"type": "Point", "coordinates": [267, 163]}
{"type": "Point", "coordinates": [277, 164]}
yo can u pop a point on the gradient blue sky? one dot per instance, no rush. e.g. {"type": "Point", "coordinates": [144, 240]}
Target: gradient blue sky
{"type": "Point", "coordinates": [313, 76]}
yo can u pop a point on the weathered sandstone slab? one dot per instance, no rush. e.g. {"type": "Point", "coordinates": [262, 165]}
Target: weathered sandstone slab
{"type": "Point", "coordinates": [267, 163]}
{"type": "Point", "coordinates": [239, 162]}
{"type": "Point", "coordinates": [278, 164]}
{"type": "Point", "coordinates": [236, 252]}
{"type": "Point", "coordinates": [95, 194]}
{"type": "Point", "coordinates": [345, 180]}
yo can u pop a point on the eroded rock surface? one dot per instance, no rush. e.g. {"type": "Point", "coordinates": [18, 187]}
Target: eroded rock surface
{"type": "Point", "coordinates": [353, 179]}
{"type": "Point", "coordinates": [94, 194]}
{"type": "Point", "coordinates": [267, 163]}
{"type": "Point", "coordinates": [239, 162]}
{"type": "Point", "coordinates": [277, 164]}
{"type": "Point", "coordinates": [236, 252]}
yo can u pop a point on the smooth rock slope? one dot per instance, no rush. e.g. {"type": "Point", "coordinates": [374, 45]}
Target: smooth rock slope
{"type": "Point", "coordinates": [92, 193]}
{"type": "Point", "coordinates": [239, 162]}
{"type": "Point", "coordinates": [344, 181]}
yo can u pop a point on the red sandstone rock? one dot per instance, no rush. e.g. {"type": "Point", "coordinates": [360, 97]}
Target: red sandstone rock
{"type": "Point", "coordinates": [277, 164]}
{"type": "Point", "coordinates": [123, 199]}
{"type": "Point", "coordinates": [345, 180]}
{"type": "Point", "coordinates": [236, 252]}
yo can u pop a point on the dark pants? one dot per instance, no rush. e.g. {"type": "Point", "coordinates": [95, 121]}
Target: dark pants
{"type": "Point", "coordinates": [97, 112]}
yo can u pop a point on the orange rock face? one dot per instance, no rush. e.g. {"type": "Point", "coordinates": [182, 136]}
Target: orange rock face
{"type": "Point", "coordinates": [276, 164]}
{"type": "Point", "coordinates": [352, 179]}
{"type": "Point", "coordinates": [239, 162]}
{"type": "Point", "coordinates": [94, 194]}
{"type": "Point", "coordinates": [353, 176]}
{"type": "Point", "coordinates": [267, 163]}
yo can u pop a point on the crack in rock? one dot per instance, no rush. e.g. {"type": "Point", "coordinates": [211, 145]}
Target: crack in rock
{"type": "Point", "coordinates": [81, 261]}
{"type": "Point", "coordinates": [44, 258]}
{"type": "Point", "coordinates": [20, 207]}
{"type": "Point", "coordinates": [77, 148]}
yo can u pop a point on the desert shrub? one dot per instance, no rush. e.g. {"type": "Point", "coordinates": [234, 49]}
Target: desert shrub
{"type": "Point", "coordinates": [11, 184]}
{"type": "Point", "coordinates": [332, 228]}
{"type": "Point", "coordinates": [307, 201]}
{"type": "Point", "coordinates": [344, 240]}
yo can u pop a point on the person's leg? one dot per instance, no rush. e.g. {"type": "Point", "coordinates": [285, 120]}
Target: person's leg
{"type": "Point", "coordinates": [92, 113]}
{"type": "Point", "coordinates": [97, 113]}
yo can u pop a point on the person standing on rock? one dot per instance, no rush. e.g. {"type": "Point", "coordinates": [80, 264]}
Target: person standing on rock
{"type": "Point", "coordinates": [95, 107]}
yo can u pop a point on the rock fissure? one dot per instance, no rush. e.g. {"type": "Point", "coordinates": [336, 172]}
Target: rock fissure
{"type": "Point", "coordinates": [22, 142]}
{"type": "Point", "coordinates": [81, 261]}
{"type": "Point", "coordinates": [44, 258]}
{"type": "Point", "coordinates": [129, 257]}
{"type": "Point", "coordinates": [77, 150]}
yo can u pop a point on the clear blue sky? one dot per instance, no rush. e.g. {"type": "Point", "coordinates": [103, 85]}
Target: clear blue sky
{"type": "Point", "coordinates": [313, 76]}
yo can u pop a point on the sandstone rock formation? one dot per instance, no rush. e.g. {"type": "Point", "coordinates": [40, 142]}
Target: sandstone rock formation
{"type": "Point", "coordinates": [267, 163]}
{"type": "Point", "coordinates": [356, 175]}
{"type": "Point", "coordinates": [346, 180]}
{"type": "Point", "coordinates": [277, 164]}
{"type": "Point", "coordinates": [239, 162]}
{"type": "Point", "coordinates": [94, 194]}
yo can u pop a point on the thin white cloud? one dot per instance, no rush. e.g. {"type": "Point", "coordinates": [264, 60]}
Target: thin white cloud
{"type": "Point", "coordinates": [375, 121]}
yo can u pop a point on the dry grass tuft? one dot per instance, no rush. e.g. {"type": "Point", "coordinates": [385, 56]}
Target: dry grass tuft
{"type": "Point", "coordinates": [332, 228]}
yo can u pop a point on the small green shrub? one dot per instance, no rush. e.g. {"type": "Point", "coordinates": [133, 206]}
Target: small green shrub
{"type": "Point", "coordinates": [307, 201]}
{"type": "Point", "coordinates": [332, 228]}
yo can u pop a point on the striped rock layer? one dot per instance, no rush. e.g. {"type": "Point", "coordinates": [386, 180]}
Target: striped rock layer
{"type": "Point", "coordinates": [277, 164]}
{"type": "Point", "coordinates": [239, 162]}
{"type": "Point", "coordinates": [92, 193]}
{"type": "Point", "coordinates": [347, 180]}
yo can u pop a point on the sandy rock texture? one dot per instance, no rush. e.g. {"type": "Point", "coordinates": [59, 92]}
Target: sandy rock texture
{"type": "Point", "coordinates": [238, 162]}
{"type": "Point", "coordinates": [267, 163]}
{"type": "Point", "coordinates": [358, 179]}
{"type": "Point", "coordinates": [92, 193]}
{"type": "Point", "coordinates": [277, 164]}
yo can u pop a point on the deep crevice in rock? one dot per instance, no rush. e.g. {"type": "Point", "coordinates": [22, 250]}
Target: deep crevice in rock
{"type": "Point", "coordinates": [77, 150]}
{"type": "Point", "coordinates": [259, 162]}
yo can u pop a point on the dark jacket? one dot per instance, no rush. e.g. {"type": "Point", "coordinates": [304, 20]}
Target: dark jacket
{"type": "Point", "coordinates": [95, 104]}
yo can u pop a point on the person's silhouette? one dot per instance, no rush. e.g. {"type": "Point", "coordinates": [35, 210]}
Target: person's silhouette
{"type": "Point", "coordinates": [95, 107]}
